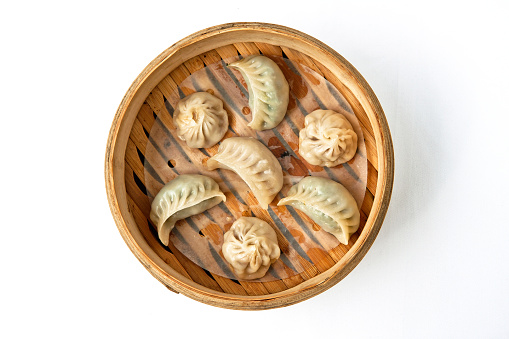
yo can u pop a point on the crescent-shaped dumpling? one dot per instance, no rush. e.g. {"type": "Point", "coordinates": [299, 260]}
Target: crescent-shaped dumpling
{"type": "Point", "coordinates": [268, 90]}
{"type": "Point", "coordinates": [254, 163]}
{"type": "Point", "coordinates": [182, 197]}
{"type": "Point", "coordinates": [250, 247]}
{"type": "Point", "coordinates": [328, 203]}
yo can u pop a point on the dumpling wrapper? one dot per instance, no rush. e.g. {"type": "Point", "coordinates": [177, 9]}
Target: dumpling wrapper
{"type": "Point", "coordinates": [327, 203]}
{"type": "Point", "coordinates": [200, 119]}
{"type": "Point", "coordinates": [254, 163]}
{"type": "Point", "coordinates": [180, 198]}
{"type": "Point", "coordinates": [327, 139]}
{"type": "Point", "coordinates": [250, 246]}
{"type": "Point", "coordinates": [268, 90]}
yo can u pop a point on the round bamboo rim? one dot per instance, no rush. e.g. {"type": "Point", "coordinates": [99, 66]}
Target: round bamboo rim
{"type": "Point", "coordinates": [346, 79]}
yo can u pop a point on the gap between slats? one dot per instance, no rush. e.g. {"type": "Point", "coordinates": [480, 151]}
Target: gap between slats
{"type": "Point", "coordinates": [155, 103]}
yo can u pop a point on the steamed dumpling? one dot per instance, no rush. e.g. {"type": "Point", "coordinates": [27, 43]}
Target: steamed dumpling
{"type": "Point", "coordinates": [268, 90]}
{"type": "Point", "coordinates": [200, 119]}
{"type": "Point", "coordinates": [250, 247]}
{"type": "Point", "coordinates": [182, 197]}
{"type": "Point", "coordinates": [328, 203]}
{"type": "Point", "coordinates": [254, 163]}
{"type": "Point", "coordinates": [327, 139]}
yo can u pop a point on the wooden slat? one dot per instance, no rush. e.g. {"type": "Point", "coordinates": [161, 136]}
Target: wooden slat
{"type": "Point", "coordinates": [268, 49]}
{"type": "Point", "coordinates": [246, 48]}
{"type": "Point", "coordinates": [276, 50]}
{"type": "Point", "coordinates": [284, 127]}
{"type": "Point", "coordinates": [195, 272]}
{"type": "Point", "coordinates": [226, 284]}
{"type": "Point", "coordinates": [367, 203]}
{"type": "Point", "coordinates": [133, 160]}
{"type": "Point", "coordinates": [256, 289]}
{"type": "Point", "coordinates": [135, 195]}
{"type": "Point", "coordinates": [364, 121]}
{"type": "Point", "coordinates": [359, 112]}
{"type": "Point", "coordinates": [155, 103]}
{"type": "Point", "coordinates": [227, 51]}
{"type": "Point", "coordinates": [210, 58]}
{"type": "Point", "coordinates": [125, 153]}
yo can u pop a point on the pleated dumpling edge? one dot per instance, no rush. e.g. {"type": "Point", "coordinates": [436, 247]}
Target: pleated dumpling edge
{"type": "Point", "coordinates": [328, 203]}
{"type": "Point", "coordinates": [268, 90]}
{"type": "Point", "coordinates": [182, 197]}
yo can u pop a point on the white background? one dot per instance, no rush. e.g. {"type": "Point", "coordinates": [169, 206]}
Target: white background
{"type": "Point", "coordinates": [440, 265]}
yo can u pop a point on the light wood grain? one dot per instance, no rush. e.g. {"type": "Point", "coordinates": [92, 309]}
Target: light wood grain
{"type": "Point", "coordinates": [124, 169]}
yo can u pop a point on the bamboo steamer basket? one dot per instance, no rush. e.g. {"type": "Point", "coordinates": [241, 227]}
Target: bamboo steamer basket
{"type": "Point", "coordinates": [128, 139]}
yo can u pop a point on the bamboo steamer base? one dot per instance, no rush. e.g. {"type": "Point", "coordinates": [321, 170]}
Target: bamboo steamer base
{"type": "Point", "coordinates": [129, 188]}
